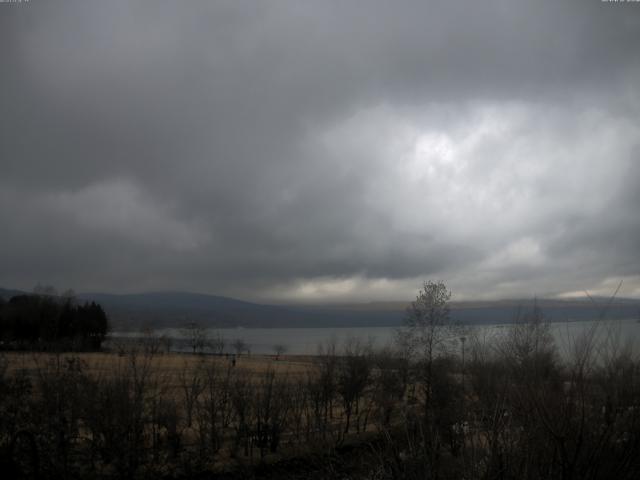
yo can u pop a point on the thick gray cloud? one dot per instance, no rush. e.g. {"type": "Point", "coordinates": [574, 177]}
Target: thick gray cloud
{"type": "Point", "coordinates": [318, 150]}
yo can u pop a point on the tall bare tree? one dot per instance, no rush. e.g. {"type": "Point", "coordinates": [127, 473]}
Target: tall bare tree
{"type": "Point", "coordinates": [196, 337]}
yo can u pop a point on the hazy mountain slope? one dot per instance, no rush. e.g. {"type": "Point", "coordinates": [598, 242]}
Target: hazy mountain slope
{"type": "Point", "coordinates": [177, 309]}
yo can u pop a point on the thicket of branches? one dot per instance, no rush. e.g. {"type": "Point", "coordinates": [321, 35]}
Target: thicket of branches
{"type": "Point", "coordinates": [514, 407]}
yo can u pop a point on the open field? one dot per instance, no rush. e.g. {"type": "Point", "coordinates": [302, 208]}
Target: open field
{"type": "Point", "coordinates": [169, 364]}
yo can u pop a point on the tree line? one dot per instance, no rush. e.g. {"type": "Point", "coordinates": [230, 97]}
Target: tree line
{"type": "Point", "coordinates": [41, 321]}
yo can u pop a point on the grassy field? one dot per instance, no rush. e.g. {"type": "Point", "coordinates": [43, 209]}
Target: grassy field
{"type": "Point", "coordinates": [168, 363]}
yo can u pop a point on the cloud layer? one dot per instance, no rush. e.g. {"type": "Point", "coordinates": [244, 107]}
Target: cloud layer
{"type": "Point", "coordinates": [291, 151]}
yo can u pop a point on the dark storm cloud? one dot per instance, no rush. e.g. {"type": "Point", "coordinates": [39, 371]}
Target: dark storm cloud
{"type": "Point", "coordinates": [315, 150]}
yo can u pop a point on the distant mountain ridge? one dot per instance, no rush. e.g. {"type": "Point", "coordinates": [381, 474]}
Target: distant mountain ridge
{"type": "Point", "coordinates": [177, 309]}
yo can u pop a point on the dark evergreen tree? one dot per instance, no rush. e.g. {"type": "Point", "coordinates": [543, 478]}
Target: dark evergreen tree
{"type": "Point", "coordinates": [42, 321]}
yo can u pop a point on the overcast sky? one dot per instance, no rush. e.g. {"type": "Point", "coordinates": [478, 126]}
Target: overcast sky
{"type": "Point", "coordinates": [321, 151]}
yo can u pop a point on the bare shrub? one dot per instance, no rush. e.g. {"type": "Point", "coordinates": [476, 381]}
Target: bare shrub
{"type": "Point", "coordinates": [215, 409]}
{"type": "Point", "coordinates": [354, 373]}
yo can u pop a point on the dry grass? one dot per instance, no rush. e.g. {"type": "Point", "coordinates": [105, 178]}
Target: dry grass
{"type": "Point", "coordinates": [170, 365]}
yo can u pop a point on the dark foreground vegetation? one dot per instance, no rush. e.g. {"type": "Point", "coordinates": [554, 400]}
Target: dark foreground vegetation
{"type": "Point", "coordinates": [443, 403]}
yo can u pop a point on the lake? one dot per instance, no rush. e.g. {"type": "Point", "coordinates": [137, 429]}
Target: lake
{"type": "Point", "coordinates": [305, 341]}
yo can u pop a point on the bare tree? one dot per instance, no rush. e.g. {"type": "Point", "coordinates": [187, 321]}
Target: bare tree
{"type": "Point", "coordinates": [196, 337]}
{"type": "Point", "coordinates": [239, 346]}
{"type": "Point", "coordinates": [279, 349]}
{"type": "Point", "coordinates": [192, 385]}
{"type": "Point", "coordinates": [240, 395]}
{"type": "Point", "coordinates": [217, 343]}
{"type": "Point", "coordinates": [353, 378]}
{"type": "Point", "coordinates": [427, 334]}
{"type": "Point", "coordinates": [271, 399]}
{"type": "Point", "coordinates": [428, 330]}
{"type": "Point", "coordinates": [215, 410]}
{"type": "Point", "coordinates": [389, 385]}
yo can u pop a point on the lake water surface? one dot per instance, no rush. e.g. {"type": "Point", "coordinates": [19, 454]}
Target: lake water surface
{"type": "Point", "coordinates": [305, 341]}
